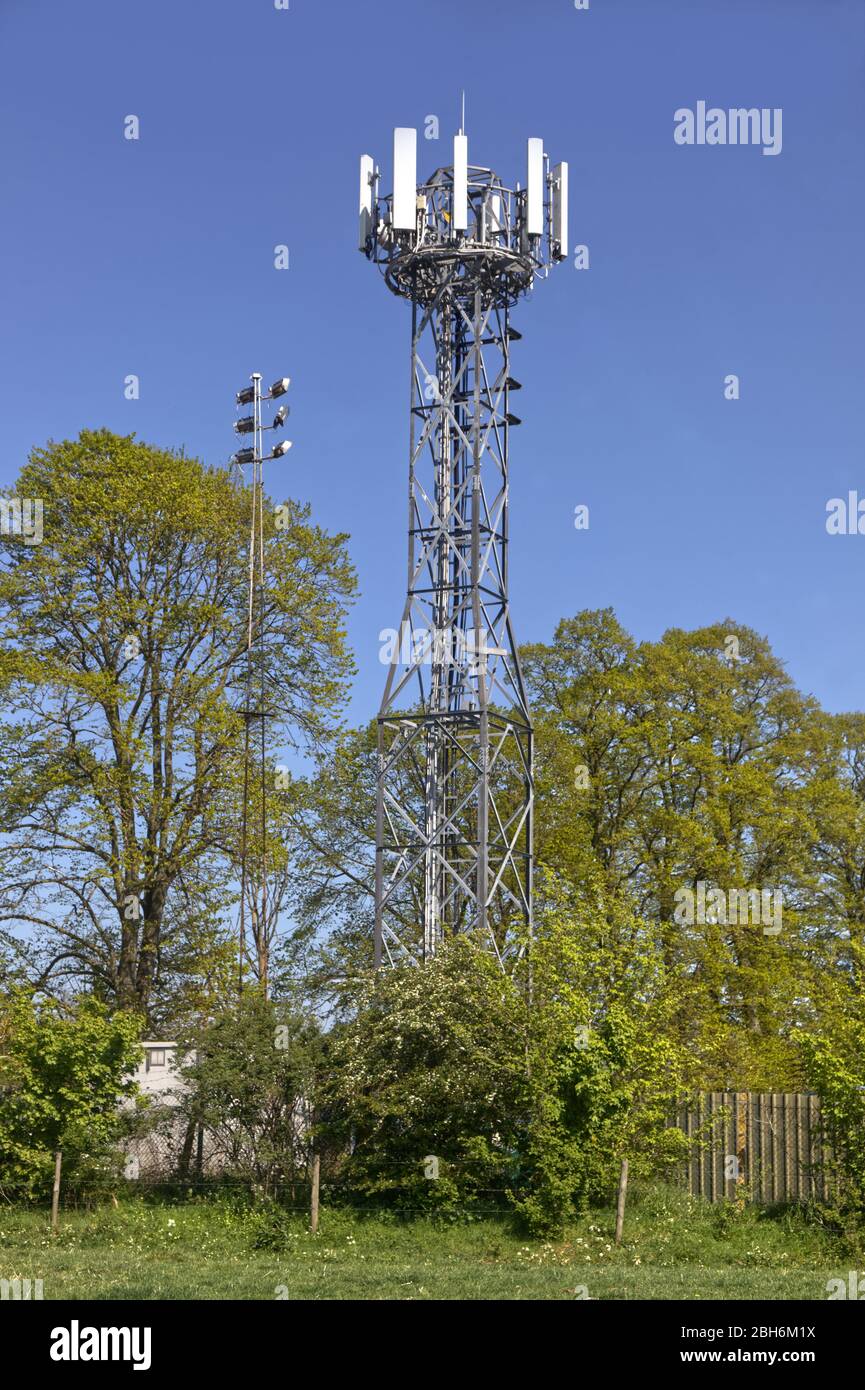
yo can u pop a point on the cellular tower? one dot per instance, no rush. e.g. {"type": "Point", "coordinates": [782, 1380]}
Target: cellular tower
{"type": "Point", "coordinates": [455, 785]}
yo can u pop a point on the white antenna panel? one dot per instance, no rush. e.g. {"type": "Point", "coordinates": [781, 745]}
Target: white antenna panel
{"type": "Point", "coordinates": [461, 184]}
{"type": "Point", "coordinates": [405, 178]}
{"type": "Point", "coordinates": [365, 225]}
{"type": "Point", "coordinates": [535, 189]}
{"type": "Point", "coordinates": [560, 209]}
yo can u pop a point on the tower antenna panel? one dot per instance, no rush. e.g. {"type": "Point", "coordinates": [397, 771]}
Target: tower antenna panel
{"type": "Point", "coordinates": [404, 178]}
{"type": "Point", "coordinates": [461, 184]}
{"type": "Point", "coordinates": [559, 201]}
{"type": "Point", "coordinates": [535, 189]}
{"type": "Point", "coordinates": [364, 231]}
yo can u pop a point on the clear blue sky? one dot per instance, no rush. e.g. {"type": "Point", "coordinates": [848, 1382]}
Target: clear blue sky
{"type": "Point", "coordinates": [156, 258]}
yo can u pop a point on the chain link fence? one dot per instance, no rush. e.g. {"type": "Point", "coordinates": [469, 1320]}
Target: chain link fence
{"type": "Point", "coordinates": [761, 1147]}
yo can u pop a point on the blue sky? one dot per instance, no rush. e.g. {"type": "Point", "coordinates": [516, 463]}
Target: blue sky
{"type": "Point", "coordinates": [155, 258]}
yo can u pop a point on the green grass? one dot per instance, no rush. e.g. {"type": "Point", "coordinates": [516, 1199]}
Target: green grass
{"type": "Point", "coordinates": [675, 1247]}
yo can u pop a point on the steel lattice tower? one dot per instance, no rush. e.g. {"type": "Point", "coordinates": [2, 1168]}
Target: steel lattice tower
{"type": "Point", "coordinates": [455, 787]}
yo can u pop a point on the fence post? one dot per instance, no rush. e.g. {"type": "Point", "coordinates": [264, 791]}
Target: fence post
{"type": "Point", "coordinates": [743, 1157]}
{"type": "Point", "coordinates": [55, 1195]}
{"type": "Point", "coordinates": [620, 1200]}
{"type": "Point", "coordinates": [313, 1204]}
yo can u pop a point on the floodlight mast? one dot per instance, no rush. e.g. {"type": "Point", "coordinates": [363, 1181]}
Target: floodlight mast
{"type": "Point", "coordinates": [256, 699]}
{"type": "Point", "coordinates": [455, 780]}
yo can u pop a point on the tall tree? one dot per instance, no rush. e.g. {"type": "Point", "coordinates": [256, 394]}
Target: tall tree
{"type": "Point", "coordinates": [122, 659]}
{"type": "Point", "coordinates": [674, 764]}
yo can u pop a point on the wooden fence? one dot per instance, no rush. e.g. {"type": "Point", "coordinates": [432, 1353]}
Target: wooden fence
{"type": "Point", "coordinates": [765, 1146]}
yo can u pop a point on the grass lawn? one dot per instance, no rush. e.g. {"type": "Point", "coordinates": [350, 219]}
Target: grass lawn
{"type": "Point", "coordinates": [675, 1248]}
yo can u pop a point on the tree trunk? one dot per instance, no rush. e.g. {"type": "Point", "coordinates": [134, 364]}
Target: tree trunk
{"type": "Point", "coordinates": [186, 1151]}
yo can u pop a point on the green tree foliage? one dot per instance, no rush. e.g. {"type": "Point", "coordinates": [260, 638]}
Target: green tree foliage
{"type": "Point", "coordinates": [835, 1069]}
{"type": "Point", "coordinates": [122, 660]}
{"type": "Point", "coordinates": [526, 1088]}
{"type": "Point", "coordinates": [333, 822]}
{"type": "Point", "coordinates": [249, 1078]}
{"type": "Point", "coordinates": [605, 1070]}
{"type": "Point", "coordinates": [836, 805]}
{"type": "Point", "coordinates": [428, 1062]}
{"type": "Point", "coordinates": [660, 766]}
{"type": "Point", "coordinates": [63, 1076]}
{"type": "Point", "coordinates": [702, 763]}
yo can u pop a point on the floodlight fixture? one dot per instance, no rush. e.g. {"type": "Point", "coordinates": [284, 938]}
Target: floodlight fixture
{"type": "Point", "coordinates": [244, 456]}
{"type": "Point", "coordinates": [279, 450]}
{"type": "Point", "coordinates": [245, 425]}
{"type": "Point", "coordinates": [246, 396]}
{"type": "Point", "coordinates": [280, 387]}
{"type": "Point", "coordinates": [279, 417]}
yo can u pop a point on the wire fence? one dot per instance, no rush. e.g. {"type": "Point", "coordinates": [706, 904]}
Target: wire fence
{"type": "Point", "coordinates": [760, 1147]}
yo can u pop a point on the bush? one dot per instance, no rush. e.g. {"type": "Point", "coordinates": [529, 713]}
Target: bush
{"type": "Point", "coordinates": [62, 1078]}
{"type": "Point", "coordinates": [836, 1069]}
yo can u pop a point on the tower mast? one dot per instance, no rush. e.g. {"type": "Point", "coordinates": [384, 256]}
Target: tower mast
{"type": "Point", "coordinates": [455, 783]}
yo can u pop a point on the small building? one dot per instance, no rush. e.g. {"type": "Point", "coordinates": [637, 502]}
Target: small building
{"type": "Point", "coordinates": [156, 1073]}
{"type": "Point", "coordinates": [153, 1154]}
